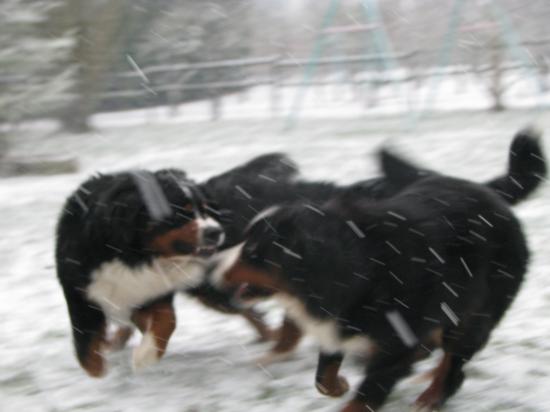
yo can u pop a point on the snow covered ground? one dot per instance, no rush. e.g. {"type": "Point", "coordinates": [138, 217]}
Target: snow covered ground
{"type": "Point", "coordinates": [209, 365]}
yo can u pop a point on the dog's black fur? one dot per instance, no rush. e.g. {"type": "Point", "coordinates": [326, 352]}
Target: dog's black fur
{"type": "Point", "coordinates": [242, 193]}
{"type": "Point", "coordinates": [526, 168]}
{"type": "Point", "coordinates": [443, 254]}
{"type": "Point", "coordinates": [107, 219]}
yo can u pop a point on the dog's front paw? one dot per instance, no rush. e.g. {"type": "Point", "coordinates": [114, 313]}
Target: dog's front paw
{"type": "Point", "coordinates": [334, 389]}
{"type": "Point", "coordinates": [146, 354]}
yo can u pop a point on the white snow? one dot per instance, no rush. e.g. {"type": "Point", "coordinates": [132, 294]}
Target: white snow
{"type": "Point", "coordinates": [209, 364]}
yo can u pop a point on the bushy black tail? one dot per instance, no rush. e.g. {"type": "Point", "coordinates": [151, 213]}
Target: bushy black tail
{"type": "Point", "coordinates": [526, 167]}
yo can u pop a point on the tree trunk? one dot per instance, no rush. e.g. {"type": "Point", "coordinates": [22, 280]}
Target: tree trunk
{"type": "Point", "coordinates": [99, 32]}
{"type": "Point", "coordinates": [497, 87]}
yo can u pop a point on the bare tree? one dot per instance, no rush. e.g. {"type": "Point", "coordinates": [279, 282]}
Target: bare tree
{"type": "Point", "coordinates": [99, 26]}
{"type": "Point", "coordinates": [33, 70]}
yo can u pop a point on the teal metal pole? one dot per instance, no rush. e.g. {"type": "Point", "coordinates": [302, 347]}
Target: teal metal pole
{"type": "Point", "coordinates": [443, 60]}
{"type": "Point", "coordinates": [381, 40]}
{"type": "Point", "coordinates": [311, 66]}
{"type": "Point", "coordinates": [513, 40]}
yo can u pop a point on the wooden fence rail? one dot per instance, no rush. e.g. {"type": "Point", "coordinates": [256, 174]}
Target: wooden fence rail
{"type": "Point", "coordinates": [273, 71]}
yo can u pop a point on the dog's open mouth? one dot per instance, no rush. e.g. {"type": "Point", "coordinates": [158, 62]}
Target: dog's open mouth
{"type": "Point", "coordinates": [205, 251]}
{"type": "Point", "coordinates": [184, 248]}
{"type": "Point", "coordinates": [247, 292]}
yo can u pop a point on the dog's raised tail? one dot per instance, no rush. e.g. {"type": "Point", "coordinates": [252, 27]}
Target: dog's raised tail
{"type": "Point", "coordinates": [526, 167]}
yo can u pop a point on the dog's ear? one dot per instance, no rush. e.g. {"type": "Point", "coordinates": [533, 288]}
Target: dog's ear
{"type": "Point", "coordinates": [125, 220]}
{"type": "Point", "coordinates": [175, 174]}
{"type": "Point", "coordinates": [115, 218]}
{"type": "Point", "coordinates": [275, 166]}
{"type": "Point", "coordinates": [398, 170]}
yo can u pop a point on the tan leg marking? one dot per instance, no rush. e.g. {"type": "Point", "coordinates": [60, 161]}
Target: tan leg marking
{"type": "Point", "coordinates": [157, 322]}
{"type": "Point", "coordinates": [289, 335]}
{"type": "Point", "coordinates": [265, 332]}
{"type": "Point", "coordinates": [433, 395]}
{"type": "Point", "coordinates": [94, 362]}
{"type": "Point", "coordinates": [120, 338]}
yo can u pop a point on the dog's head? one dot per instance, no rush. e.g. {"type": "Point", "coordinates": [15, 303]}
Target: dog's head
{"type": "Point", "coordinates": [262, 265]}
{"type": "Point", "coordinates": [142, 215]}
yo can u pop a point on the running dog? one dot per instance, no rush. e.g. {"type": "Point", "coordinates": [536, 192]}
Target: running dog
{"type": "Point", "coordinates": [444, 257]}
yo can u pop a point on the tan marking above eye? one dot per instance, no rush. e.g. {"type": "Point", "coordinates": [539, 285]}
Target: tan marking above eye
{"type": "Point", "coordinates": [188, 207]}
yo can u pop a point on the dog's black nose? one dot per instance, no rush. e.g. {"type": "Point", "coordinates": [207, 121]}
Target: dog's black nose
{"type": "Point", "coordinates": [212, 235]}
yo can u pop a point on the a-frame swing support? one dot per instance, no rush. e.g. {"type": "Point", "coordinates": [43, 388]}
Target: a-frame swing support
{"type": "Point", "coordinates": [511, 38]}
{"type": "Point", "coordinates": [380, 40]}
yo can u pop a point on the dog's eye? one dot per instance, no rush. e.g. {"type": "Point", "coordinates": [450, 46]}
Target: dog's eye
{"type": "Point", "coordinates": [251, 253]}
{"type": "Point", "coordinates": [250, 248]}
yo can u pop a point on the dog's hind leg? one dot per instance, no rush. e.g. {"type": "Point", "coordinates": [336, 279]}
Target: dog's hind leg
{"type": "Point", "coordinates": [156, 322]}
{"type": "Point", "coordinates": [462, 342]}
{"type": "Point", "coordinates": [289, 336]}
{"type": "Point", "coordinates": [384, 369]}
{"type": "Point", "coordinates": [91, 356]}
{"type": "Point", "coordinates": [255, 318]}
{"type": "Point", "coordinates": [459, 345]}
{"type": "Point", "coordinates": [89, 327]}
{"type": "Point", "coordinates": [222, 302]}
{"type": "Point", "coordinates": [120, 338]}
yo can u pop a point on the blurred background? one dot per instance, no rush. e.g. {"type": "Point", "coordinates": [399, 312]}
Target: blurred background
{"type": "Point", "coordinates": [203, 85]}
{"type": "Point", "coordinates": [70, 59]}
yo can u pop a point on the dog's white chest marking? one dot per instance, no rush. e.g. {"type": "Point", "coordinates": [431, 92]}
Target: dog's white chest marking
{"type": "Point", "coordinates": [324, 331]}
{"type": "Point", "coordinates": [222, 262]}
{"type": "Point", "coordinates": [119, 289]}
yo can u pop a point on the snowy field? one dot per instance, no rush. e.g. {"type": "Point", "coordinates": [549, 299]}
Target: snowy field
{"type": "Point", "coordinates": [209, 366]}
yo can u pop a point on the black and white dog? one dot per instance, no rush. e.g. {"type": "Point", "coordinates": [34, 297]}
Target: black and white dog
{"type": "Point", "coordinates": [127, 242]}
{"type": "Point", "coordinates": [438, 263]}
{"type": "Point", "coordinates": [526, 167]}
{"type": "Point", "coordinates": [124, 240]}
